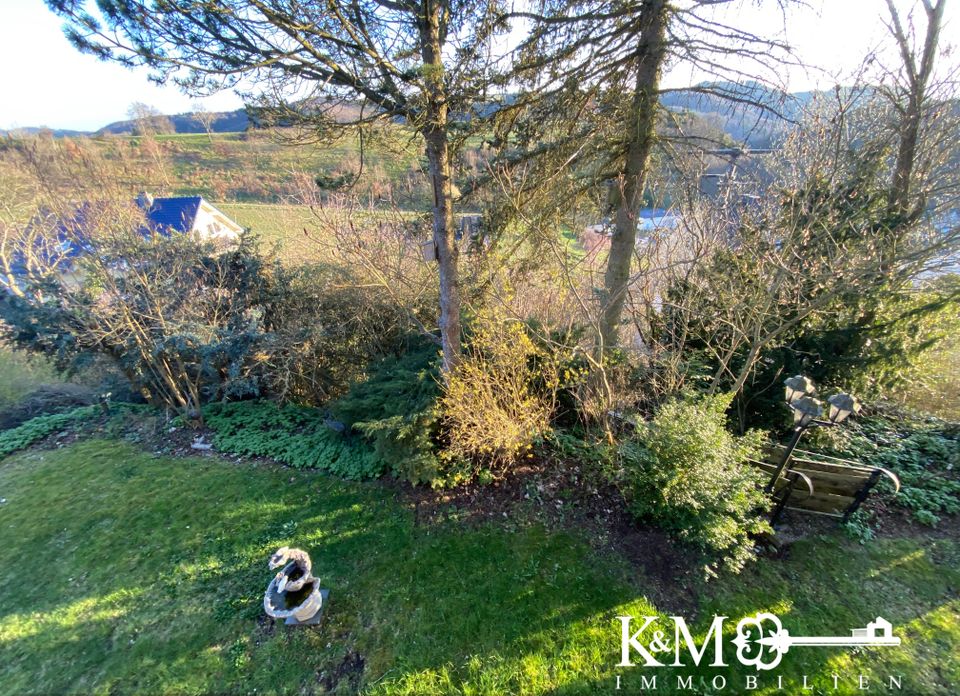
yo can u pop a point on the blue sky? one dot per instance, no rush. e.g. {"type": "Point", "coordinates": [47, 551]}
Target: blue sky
{"type": "Point", "coordinates": [46, 82]}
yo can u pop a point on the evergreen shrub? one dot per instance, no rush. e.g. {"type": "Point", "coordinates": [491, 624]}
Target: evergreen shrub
{"type": "Point", "coordinates": [687, 473]}
{"type": "Point", "coordinates": [395, 410]}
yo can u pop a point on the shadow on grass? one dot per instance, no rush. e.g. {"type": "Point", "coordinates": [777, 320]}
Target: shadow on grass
{"type": "Point", "coordinates": [129, 573]}
{"type": "Point", "coordinates": [827, 587]}
{"type": "Point", "coordinates": [153, 573]}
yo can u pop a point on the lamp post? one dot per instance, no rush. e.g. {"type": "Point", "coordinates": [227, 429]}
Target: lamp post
{"type": "Point", "coordinates": [808, 412]}
{"type": "Point", "coordinates": [841, 407]}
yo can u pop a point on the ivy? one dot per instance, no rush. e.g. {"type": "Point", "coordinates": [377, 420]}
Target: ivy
{"type": "Point", "coordinates": [924, 454]}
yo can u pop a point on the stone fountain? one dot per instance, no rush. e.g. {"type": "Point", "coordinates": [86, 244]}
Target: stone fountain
{"type": "Point", "coordinates": [294, 594]}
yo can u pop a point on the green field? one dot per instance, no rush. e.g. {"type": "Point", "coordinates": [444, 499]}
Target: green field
{"type": "Point", "coordinates": [145, 573]}
{"type": "Point", "coordinates": [262, 167]}
{"type": "Point", "coordinates": [273, 223]}
{"type": "Point", "coordinates": [300, 233]}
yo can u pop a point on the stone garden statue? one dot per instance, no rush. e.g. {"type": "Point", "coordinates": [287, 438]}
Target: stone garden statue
{"type": "Point", "coordinates": [294, 594]}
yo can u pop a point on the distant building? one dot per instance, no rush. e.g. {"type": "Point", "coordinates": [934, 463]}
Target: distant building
{"type": "Point", "coordinates": [649, 221]}
{"type": "Point", "coordinates": [735, 170]}
{"type": "Point", "coordinates": [188, 215]}
{"type": "Point", "coordinates": [654, 219]}
{"type": "Point", "coordinates": [66, 236]}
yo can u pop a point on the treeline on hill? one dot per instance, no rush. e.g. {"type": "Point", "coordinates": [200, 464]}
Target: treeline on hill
{"type": "Point", "coordinates": [394, 345]}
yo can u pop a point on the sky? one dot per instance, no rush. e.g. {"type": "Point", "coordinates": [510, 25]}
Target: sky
{"type": "Point", "coordinates": [46, 82]}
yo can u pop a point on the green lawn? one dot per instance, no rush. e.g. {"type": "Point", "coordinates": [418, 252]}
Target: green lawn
{"type": "Point", "coordinates": [277, 224]}
{"type": "Point", "coordinates": [285, 224]}
{"type": "Point", "coordinates": [122, 572]}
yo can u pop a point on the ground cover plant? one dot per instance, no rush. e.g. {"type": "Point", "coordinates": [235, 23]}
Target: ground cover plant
{"type": "Point", "coordinates": [40, 427]}
{"type": "Point", "coordinates": [293, 435]}
{"type": "Point", "coordinates": [161, 564]}
{"type": "Point", "coordinates": [385, 423]}
{"type": "Point", "coordinates": [924, 452]}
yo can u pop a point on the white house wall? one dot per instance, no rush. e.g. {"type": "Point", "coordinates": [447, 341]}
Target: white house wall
{"type": "Point", "coordinates": [211, 224]}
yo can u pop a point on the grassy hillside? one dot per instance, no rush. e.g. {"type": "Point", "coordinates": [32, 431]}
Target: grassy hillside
{"type": "Point", "coordinates": [272, 222]}
{"type": "Point", "coordinates": [295, 229]}
{"type": "Point", "coordinates": [258, 167]}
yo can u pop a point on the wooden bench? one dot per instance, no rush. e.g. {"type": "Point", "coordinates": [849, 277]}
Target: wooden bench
{"type": "Point", "coordinates": [819, 484]}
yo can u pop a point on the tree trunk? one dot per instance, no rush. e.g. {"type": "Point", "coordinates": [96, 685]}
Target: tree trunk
{"type": "Point", "coordinates": [918, 77]}
{"type": "Point", "coordinates": [651, 51]}
{"type": "Point", "coordinates": [434, 131]}
{"type": "Point", "coordinates": [445, 242]}
{"type": "Point", "coordinates": [906, 156]}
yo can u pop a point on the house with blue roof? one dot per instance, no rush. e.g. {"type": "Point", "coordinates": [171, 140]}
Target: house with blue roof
{"type": "Point", "coordinates": [188, 215]}
{"type": "Point", "coordinates": [66, 235]}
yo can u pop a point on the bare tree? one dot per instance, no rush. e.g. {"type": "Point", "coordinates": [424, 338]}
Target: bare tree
{"type": "Point", "coordinates": [147, 120]}
{"type": "Point", "coordinates": [205, 118]}
{"type": "Point", "coordinates": [909, 91]}
{"type": "Point", "coordinates": [827, 241]}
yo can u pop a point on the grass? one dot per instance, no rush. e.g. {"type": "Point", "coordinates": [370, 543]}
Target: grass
{"type": "Point", "coordinates": [256, 167]}
{"type": "Point", "coordinates": [395, 155]}
{"type": "Point", "coordinates": [296, 229]}
{"type": "Point", "coordinates": [124, 572]}
{"type": "Point", "coordinates": [269, 167]}
{"type": "Point", "coordinates": [276, 224]}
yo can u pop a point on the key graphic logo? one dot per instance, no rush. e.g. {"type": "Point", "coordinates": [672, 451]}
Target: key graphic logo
{"type": "Point", "coordinates": [761, 641]}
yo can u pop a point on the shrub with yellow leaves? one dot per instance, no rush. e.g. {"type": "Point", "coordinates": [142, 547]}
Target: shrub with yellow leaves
{"type": "Point", "coordinates": [500, 399]}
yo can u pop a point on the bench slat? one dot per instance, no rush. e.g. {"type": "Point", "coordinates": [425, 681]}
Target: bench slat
{"type": "Point", "coordinates": [825, 482]}
{"type": "Point", "coordinates": [826, 502]}
{"type": "Point", "coordinates": [816, 512]}
{"type": "Point", "coordinates": [776, 452]}
{"type": "Point", "coordinates": [839, 486]}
